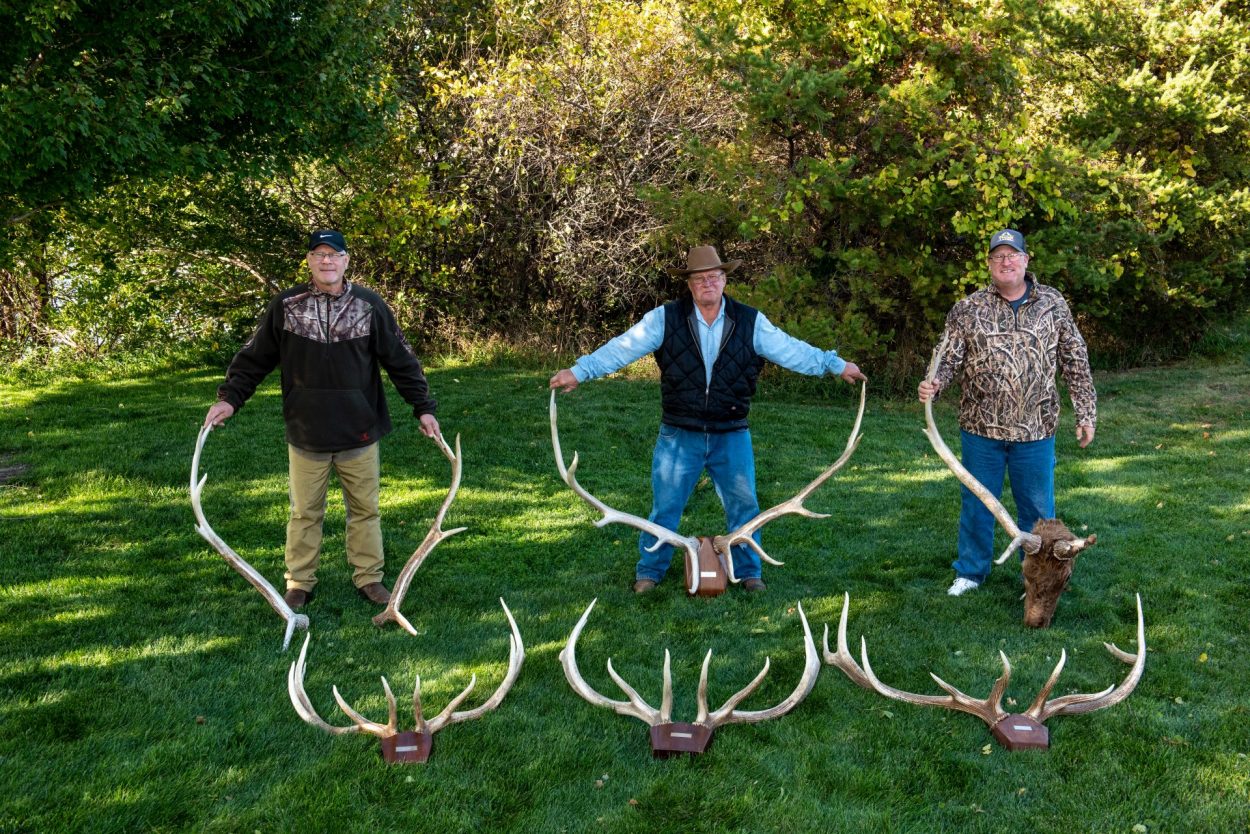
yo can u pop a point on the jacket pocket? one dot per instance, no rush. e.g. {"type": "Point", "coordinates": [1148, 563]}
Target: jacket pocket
{"type": "Point", "coordinates": [322, 419]}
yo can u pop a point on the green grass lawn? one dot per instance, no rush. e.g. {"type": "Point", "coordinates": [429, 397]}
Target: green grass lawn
{"type": "Point", "coordinates": [142, 685]}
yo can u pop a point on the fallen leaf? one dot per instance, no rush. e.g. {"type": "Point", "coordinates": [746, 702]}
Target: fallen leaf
{"type": "Point", "coordinates": [1159, 506]}
{"type": "Point", "coordinates": [987, 749]}
{"type": "Point", "coordinates": [633, 802]}
{"type": "Point", "coordinates": [1139, 829]}
{"type": "Point", "coordinates": [598, 783]}
{"type": "Point", "coordinates": [199, 719]}
{"type": "Point", "coordinates": [1202, 658]}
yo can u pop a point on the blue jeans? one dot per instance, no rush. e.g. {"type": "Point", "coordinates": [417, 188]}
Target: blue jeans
{"type": "Point", "coordinates": [679, 459]}
{"type": "Point", "coordinates": [1031, 468]}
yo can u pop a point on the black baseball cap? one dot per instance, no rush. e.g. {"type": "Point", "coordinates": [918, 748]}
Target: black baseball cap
{"type": "Point", "coordinates": [329, 237]}
{"type": "Point", "coordinates": [1008, 237]}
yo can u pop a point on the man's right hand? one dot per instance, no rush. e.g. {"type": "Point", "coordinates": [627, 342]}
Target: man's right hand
{"type": "Point", "coordinates": [564, 380]}
{"type": "Point", "coordinates": [219, 413]}
{"type": "Point", "coordinates": [927, 390]}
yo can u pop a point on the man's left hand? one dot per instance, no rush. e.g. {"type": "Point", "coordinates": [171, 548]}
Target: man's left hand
{"type": "Point", "coordinates": [1084, 435]}
{"type": "Point", "coordinates": [429, 425]}
{"type": "Point", "coordinates": [852, 374]}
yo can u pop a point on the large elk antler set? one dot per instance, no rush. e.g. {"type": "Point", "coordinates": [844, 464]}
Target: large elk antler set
{"type": "Point", "coordinates": [1013, 731]}
{"type": "Point", "coordinates": [703, 553]}
{"type": "Point", "coordinates": [669, 737]}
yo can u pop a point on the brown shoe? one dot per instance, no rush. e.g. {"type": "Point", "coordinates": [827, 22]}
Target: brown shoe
{"type": "Point", "coordinates": [755, 584]}
{"type": "Point", "coordinates": [297, 598]}
{"type": "Point", "coordinates": [643, 585]}
{"type": "Point", "coordinates": [375, 592]}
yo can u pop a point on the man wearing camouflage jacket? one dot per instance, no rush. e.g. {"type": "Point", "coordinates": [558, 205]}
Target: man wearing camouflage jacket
{"type": "Point", "coordinates": [1007, 341]}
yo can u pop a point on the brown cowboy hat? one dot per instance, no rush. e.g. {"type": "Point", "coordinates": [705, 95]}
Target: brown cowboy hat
{"type": "Point", "coordinates": [701, 259]}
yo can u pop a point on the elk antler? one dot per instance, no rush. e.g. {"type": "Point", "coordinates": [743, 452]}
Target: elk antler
{"type": "Point", "coordinates": [275, 600]}
{"type": "Point", "coordinates": [1031, 542]}
{"type": "Point", "coordinates": [743, 535]}
{"type": "Point", "coordinates": [663, 535]}
{"type": "Point", "coordinates": [303, 706]}
{"type": "Point", "coordinates": [990, 708]}
{"type": "Point", "coordinates": [432, 540]}
{"type": "Point", "coordinates": [727, 714]}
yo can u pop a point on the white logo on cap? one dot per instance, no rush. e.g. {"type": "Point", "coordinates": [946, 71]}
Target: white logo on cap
{"type": "Point", "coordinates": [1006, 236]}
{"type": "Point", "coordinates": [323, 235]}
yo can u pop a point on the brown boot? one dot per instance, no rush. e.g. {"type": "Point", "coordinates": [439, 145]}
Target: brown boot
{"type": "Point", "coordinates": [643, 585]}
{"type": "Point", "coordinates": [297, 598]}
{"type": "Point", "coordinates": [375, 592]}
{"type": "Point", "coordinates": [756, 584]}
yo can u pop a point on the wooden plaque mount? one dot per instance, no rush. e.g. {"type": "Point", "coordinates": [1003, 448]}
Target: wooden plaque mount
{"type": "Point", "coordinates": [713, 578]}
{"type": "Point", "coordinates": [1020, 732]}
{"type": "Point", "coordinates": [407, 748]}
{"type": "Point", "coordinates": [678, 739]}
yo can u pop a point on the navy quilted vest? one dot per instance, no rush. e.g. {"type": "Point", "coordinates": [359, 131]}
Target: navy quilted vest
{"type": "Point", "coordinates": [688, 402]}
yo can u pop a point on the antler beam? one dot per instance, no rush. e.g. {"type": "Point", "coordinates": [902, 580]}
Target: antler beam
{"type": "Point", "coordinates": [743, 535]}
{"type": "Point", "coordinates": [433, 538]}
{"type": "Point", "coordinates": [662, 535]}
{"type": "Point", "coordinates": [271, 595]}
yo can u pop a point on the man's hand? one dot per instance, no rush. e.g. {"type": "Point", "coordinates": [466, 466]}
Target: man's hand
{"type": "Point", "coordinates": [928, 390]}
{"type": "Point", "coordinates": [1084, 435]}
{"type": "Point", "coordinates": [564, 380]}
{"type": "Point", "coordinates": [219, 413]}
{"type": "Point", "coordinates": [429, 425]}
{"type": "Point", "coordinates": [852, 374]}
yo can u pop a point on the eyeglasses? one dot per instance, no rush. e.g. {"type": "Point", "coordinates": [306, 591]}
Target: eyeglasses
{"type": "Point", "coordinates": [1010, 256]}
{"type": "Point", "coordinates": [706, 279]}
{"type": "Point", "coordinates": [327, 256]}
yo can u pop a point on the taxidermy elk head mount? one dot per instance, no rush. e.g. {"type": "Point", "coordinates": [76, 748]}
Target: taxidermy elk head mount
{"type": "Point", "coordinates": [721, 545]}
{"type": "Point", "coordinates": [1014, 731]}
{"type": "Point", "coordinates": [1050, 550]}
{"type": "Point", "coordinates": [669, 738]}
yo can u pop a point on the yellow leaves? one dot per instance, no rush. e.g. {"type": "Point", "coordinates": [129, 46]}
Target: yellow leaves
{"type": "Point", "coordinates": [987, 749]}
{"type": "Point", "coordinates": [1202, 658]}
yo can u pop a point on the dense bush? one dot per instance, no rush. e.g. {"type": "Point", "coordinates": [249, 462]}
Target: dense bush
{"type": "Point", "coordinates": [536, 164]}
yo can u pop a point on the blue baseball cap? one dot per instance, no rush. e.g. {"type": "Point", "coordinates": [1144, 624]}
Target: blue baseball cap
{"type": "Point", "coordinates": [1008, 237]}
{"type": "Point", "coordinates": [329, 237]}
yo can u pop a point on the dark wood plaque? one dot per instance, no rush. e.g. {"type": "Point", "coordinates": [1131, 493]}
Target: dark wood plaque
{"type": "Point", "coordinates": [1019, 732]}
{"type": "Point", "coordinates": [678, 739]}
{"type": "Point", "coordinates": [407, 748]}
{"type": "Point", "coordinates": [713, 579]}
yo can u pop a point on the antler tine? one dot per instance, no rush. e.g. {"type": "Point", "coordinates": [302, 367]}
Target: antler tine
{"type": "Point", "coordinates": [253, 576]}
{"type": "Point", "coordinates": [663, 535]}
{"type": "Point", "coordinates": [516, 657]}
{"type": "Point", "coordinates": [433, 538]}
{"type": "Point", "coordinates": [1031, 542]}
{"type": "Point", "coordinates": [370, 727]}
{"type": "Point", "coordinates": [989, 710]}
{"type": "Point", "coordinates": [666, 697]}
{"type": "Point", "coordinates": [795, 505]}
{"type": "Point", "coordinates": [720, 716]}
{"type": "Point", "coordinates": [300, 700]}
{"type": "Point", "coordinates": [635, 707]}
{"type": "Point", "coordinates": [843, 659]}
{"type": "Point", "coordinates": [1076, 704]}
{"type": "Point", "coordinates": [811, 667]}
{"type": "Point", "coordinates": [418, 715]}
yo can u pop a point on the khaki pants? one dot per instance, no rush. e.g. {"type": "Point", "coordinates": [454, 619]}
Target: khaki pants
{"type": "Point", "coordinates": [358, 476]}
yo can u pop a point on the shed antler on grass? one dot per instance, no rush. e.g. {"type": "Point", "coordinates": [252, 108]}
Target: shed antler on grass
{"type": "Point", "coordinates": [1013, 731]}
{"type": "Point", "coordinates": [271, 595]}
{"type": "Point", "coordinates": [432, 539]}
{"type": "Point", "coordinates": [667, 737]}
{"type": "Point", "coordinates": [720, 544]}
{"type": "Point", "coordinates": [399, 746]}
{"type": "Point", "coordinates": [1050, 549]}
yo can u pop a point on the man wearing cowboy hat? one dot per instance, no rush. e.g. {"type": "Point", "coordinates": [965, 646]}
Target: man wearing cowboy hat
{"type": "Point", "coordinates": [1007, 341]}
{"type": "Point", "coordinates": [710, 350]}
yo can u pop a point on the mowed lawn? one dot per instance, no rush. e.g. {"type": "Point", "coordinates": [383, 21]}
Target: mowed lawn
{"type": "Point", "coordinates": [143, 686]}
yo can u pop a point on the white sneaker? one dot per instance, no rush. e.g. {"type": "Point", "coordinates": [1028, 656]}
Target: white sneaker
{"type": "Point", "coordinates": [962, 586]}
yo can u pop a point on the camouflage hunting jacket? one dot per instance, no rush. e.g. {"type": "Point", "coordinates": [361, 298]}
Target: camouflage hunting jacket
{"type": "Point", "coordinates": [1006, 362]}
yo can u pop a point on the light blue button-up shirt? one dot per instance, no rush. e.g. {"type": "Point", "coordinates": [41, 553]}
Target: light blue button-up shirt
{"type": "Point", "coordinates": [769, 341]}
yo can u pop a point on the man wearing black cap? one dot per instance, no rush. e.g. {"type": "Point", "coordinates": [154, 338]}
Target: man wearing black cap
{"type": "Point", "coordinates": [1008, 340]}
{"type": "Point", "coordinates": [710, 350]}
{"type": "Point", "coordinates": [330, 336]}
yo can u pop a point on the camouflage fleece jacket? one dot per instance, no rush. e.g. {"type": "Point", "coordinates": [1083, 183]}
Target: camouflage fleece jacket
{"type": "Point", "coordinates": [330, 348]}
{"type": "Point", "coordinates": [1008, 362]}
